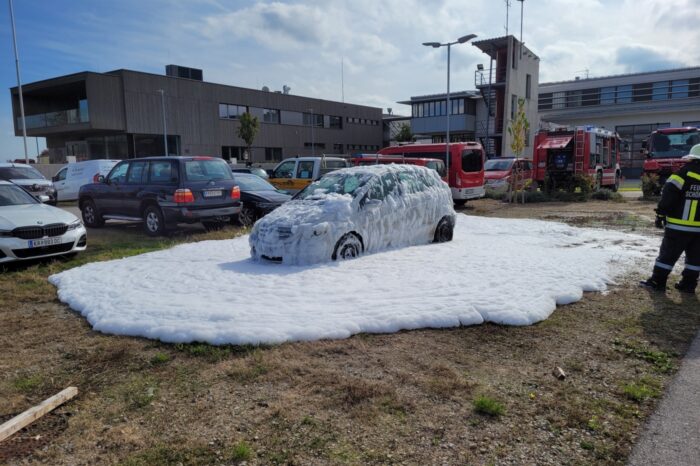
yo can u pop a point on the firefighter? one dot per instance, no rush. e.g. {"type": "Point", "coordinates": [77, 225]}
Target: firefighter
{"type": "Point", "coordinates": [679, 211]}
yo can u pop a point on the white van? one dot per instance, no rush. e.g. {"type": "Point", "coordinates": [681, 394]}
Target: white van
{"type": "Point", "coordinates": [70, 178]}
{"type": "Point", "coordinates": [295, 174]}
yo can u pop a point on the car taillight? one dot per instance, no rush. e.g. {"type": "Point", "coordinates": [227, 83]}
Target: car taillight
{"type": "Point", "coordinates": [183, 196]}
{"type": "Point", "coordinates": [235, 192]}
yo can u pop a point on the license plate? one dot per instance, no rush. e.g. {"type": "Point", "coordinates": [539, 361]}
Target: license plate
{"type": "Point", "coordinates": [212, 193]}
{"type": "Point", "coordinates": [37, 243]}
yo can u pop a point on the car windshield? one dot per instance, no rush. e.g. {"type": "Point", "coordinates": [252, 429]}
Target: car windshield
{"type": "Point", "coordinates": [207, 170]}
{"type": "Point", "coordinates": [20, 173]}
{"type": "Point", "coordinates": [497, 165]}
{"type": "Point", "coordinates": [14, 195]}
{"type": "Point", "coordinates": [252, 183]}
{"type": "Point", "coordinates": [673, 144]}
{"type": "Point", "coordinates": [338, 183]}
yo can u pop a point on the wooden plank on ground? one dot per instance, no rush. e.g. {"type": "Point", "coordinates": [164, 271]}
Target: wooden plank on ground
{"type": "Point", "coordinates": [32, 414]}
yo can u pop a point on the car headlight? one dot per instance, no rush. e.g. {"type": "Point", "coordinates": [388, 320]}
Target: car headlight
{"type": "Point", "coordinates": [77, 224]}
{"type": "Point", "coordinates": [320, 229]}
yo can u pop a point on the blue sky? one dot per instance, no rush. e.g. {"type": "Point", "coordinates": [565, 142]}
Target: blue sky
{"type": "Point", "coordinates": [301, 43]}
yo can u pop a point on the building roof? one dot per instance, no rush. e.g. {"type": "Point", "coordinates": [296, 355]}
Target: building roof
{"type": "Point", "coordinates": [422, 98]}
{"type": "Point", "coordinates": [489, 46]}
{"type": "Point", "coordinates": [624, 75]}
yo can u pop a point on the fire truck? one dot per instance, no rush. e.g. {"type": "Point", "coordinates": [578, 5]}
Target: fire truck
{"type": "Point", "coordinates": [562, 154]}
{"type": "Point", "coordinates": [664, 149]}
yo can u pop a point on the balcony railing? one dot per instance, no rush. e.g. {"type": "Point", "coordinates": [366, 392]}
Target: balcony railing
{"type": "Point", "coordinates": [61, 118]}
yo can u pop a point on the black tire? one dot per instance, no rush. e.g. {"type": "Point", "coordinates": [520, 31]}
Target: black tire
{"type": "Point", "coordinates": [92, 218]}
{"type": "Point", "coordinates": [444, 230]}
{"type": "Point", "coordinates": [348, 247]}
{"type": "Point", "coordinates": [460, 202]}
{"type": "Point", "coordinates": [153, 221]}
{"type": "Point", "coordinates": [247, 216]}
{"type": "Point", "coordinates": [616, 186]}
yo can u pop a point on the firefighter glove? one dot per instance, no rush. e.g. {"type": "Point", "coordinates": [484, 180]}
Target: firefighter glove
{"type": "Point", "coordinates": [660, 221]}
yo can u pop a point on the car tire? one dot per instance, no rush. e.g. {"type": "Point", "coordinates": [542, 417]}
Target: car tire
{"type": "Point", "coordinates": [247, 216]}
{"type": "Point", "coordinates": [616, 186]}
{"type": "Point", "coordinates": [348, 247]}
{"type": "Point", "coordinates": [153, 221]}
{"type": "Point", "coordinates": [91, 216]}
{"type": "Point", "coordinates": [444, 230]}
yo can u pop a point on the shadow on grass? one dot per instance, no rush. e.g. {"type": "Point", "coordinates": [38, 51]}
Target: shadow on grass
{"type": "Point", "coordinates": [672, 324]}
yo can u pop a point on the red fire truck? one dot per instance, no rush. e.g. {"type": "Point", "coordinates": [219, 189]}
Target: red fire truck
{"type": "Point", "coordinates": [562, 154]}
{"type": "Point", "coordinates": [664, 149]}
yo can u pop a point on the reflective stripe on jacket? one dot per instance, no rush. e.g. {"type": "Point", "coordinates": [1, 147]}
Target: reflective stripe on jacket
{"type": "Point", "coordinates": [680, 199]}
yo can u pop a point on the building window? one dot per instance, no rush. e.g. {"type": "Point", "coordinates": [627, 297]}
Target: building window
{"type": "Point", "coordinates": [545, 101]}
{"type": "Point", "coordinates": [635, 135]}
{"type": "Point", "coordinates": [692, 123]}
{"type": "Point", "coordinates": [528, 85]}
{"type": "Point", "coordinates": [230, 111]}
{"type": "Point", "coordinates": [590, 97]}
{"type": "Point", "coordinates": [607, 95]}
{"type": "Point", "coordinates": [641, 92]}
{"type": "Point", "coordinates": [573, 98]}
{"type": "Point", "coordinates": [694, 87]}
{"type": "Point", "coordinates": [271, 115]}
{"type": "Point", "coordinates": [679, 89]}
{"type": "Point", "coordinates": [559, 99]}
{"type": "Point", "coordinates": [315, 145]}
{"type": "Point", "coordinates": [313, 119]}
{"type": "Point", "coordinates": [337, 148]}
{"type": "Point", "coordinates": [335, 122]}
{"type": "Point", "coordinates": [232, 153]}
{"type": "Point", "coordinates": [513, 106]}
{"type": "Point", "coordinates": [624, 94]}
{"type": "Point", "coordinates": [659, 90]}
{"type": "Point", "coordinates": [273, 154]}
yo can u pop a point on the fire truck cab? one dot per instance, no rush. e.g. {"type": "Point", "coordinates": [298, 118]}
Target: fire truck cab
{"type": "Point", "coordinates": [664, 150]}
{"type": "Point", "coordinates": [562, 154]}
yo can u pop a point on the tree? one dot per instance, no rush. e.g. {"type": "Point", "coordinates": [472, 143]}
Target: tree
{"type": "Point", "coordinates": [518, 130]}
{"type": "Point", "coordinates": [404, 133]}
{"type": "Point", "coordinates": [248, 129]}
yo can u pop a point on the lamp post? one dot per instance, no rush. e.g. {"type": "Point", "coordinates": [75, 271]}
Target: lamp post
{"type": "Point", "coordinates": [165, 128]}
{"type": "Point", "coordinates": [436, 45]}
{"type": "Point", "coordinates": [19, 85]}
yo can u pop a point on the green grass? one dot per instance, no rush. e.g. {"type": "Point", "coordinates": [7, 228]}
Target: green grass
{"type": "Point", "coordinates": [488, 406]}
{"type": "Point", "coordinates": [662, 361]}
{"type": "Point", "coordinates": [159, 358]}
{"type": "Point", "coordinates": [642, 390]}
{"type": "Point", "coordinates": [240, 452]}
{"type": "Point", "coordinates": [26, 384]}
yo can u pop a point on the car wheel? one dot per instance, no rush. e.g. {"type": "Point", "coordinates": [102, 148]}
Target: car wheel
{"type": "Point", "coordinates": [91, 216]}
{"type": "Point", "coordinates": [153, 221]}
{"type": "Point", "coordinates": [444, 231]}
{"type": "Point", "coordinates": [617, 183]}
{"type": "Point", "coordinates": [247, 217]}
{"type": "Point", "coordinates": [347, 247]}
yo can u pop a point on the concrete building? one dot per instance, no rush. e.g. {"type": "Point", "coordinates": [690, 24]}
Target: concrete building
{"type": "Point", "coordinates": [119, 115]}
{"type": "Point", "coordinates": [632, 104]}
{"type": "Point", "coordinates": [483, 114]}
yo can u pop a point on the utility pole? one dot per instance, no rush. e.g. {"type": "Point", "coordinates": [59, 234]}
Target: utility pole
{"type": "Point", "coordinates": [19, 85]}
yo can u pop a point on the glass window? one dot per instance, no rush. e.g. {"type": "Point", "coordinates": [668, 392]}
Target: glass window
{"type": "Point", "coordinates": [336, 122]}
{"type": "Point", "coordinates": [313, 119]}
{"type": "Point", "coordinates": [659, 91]}
{"type": "Point", "coordinates": [471, 161]}
{"type": "Point", "coordinates": [136, 172]}
{"type": "Point", "coordinates": [14, 195]}
{"type": "Point", "coordinates": [409, 183]}
{"type": "Point", "coordinates": [61, 175]}
{"type": "Point", "coordinates": [207, 170]}
{"type": "Point", "coordinates": [590, 97]}
{"type": "Point", "coordinates": [286, 170]}
{"type": "Point", "coordinates": [528, 85]}
{"type": "Point", "coordinates": [624, 94]}
{"type": "Point", "coordinates": [20, 173]}
{"type": "Point", "coordinates": [162, 172]}
{"type": "Point", "coordinates": [273, 154]}
{"type": "Point", "coordinates": [271, 115]}
{"type": "Point", "coordinates": [573, 98]}
{"type": "Point", "coordinates": [249, 182]}
{"type": "Point", "coordinates": [389, 183]}
{"type": "Point", "coordinates": [513, 106]}
{"type": "Point", "coordinates": [223, 111]}
{"type": "Point", "coordinates": [545, 101]}
{"type": "Point", "coordinates": [305, 169]}
{"type": "Point", "coordinates": [375, 191]}
{"type": "Point", "coordinates": [339, 183]}
{"type": "Point", "coordinates": [607, 95]}
{"type": "Point", "coordinates": [641, 92]}
{"type": "Point", "coordinates": [118, 173]}
{"type": "Point", "coordinates": [558, 99]}
{"type": "Point", "coordinates": [679, 89]}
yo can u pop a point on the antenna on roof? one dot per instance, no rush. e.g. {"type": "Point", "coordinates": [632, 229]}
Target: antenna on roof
{"type": "Point", "coordinates": [507, 11]}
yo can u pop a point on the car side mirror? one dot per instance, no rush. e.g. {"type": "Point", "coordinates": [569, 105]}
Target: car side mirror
{"type": "Point", "coordinates": [101, 179]}
{"type": "Point", "coordinates": [270, 173]}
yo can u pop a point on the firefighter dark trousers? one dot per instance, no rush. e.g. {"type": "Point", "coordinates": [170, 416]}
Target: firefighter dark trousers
{"type": "Point", "coordinates": [675, 242]}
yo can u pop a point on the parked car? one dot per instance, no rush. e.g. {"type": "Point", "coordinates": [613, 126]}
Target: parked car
{"type": "Point", "coordinates": [376, 159]}
{"type": "Point", "coordinates": [296, 173]}
{"type": "Point", "coordinates": [30, 229]}
{"type": "Point", "coordinates": [28, 178]}
{"type": "Point", "coordinates": [499, 171]}
{"type": "Point", "coordinates": [357, 210]}
{"type": "Point", "coordinates": [259, 197]}
{"type": "Point", "coordinates": [70, 178]}
{"type": "Point", "coordinates": [253, 170]}
{"type": "Point", "coordinates": [162, 192]}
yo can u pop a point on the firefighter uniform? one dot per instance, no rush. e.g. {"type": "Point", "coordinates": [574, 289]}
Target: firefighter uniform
{"type": "Point", "coordinates": [679, 209]}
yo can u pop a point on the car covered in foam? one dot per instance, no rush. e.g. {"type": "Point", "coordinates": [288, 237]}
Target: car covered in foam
{"type": "Point", "coordinates": [357, 210]}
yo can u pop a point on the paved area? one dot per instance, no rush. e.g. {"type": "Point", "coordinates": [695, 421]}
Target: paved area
{"type": "Point", "coordinates": [672, 434]}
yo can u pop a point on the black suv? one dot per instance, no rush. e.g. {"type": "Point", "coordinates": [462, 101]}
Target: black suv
{"type": "Point", "coordinates": [161, 192]}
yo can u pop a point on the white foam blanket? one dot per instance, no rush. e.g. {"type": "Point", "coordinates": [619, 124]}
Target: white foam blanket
{"type": "Point", "coordinates": [511, 272]}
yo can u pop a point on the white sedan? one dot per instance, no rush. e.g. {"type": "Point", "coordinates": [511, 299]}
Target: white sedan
{"type": "Point", "coordinates": [30, 229]}
{"type": "Point", "coordinates": [352, 211]}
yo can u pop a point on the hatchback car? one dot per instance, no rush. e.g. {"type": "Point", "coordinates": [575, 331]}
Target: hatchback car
{"type": "Point", "coordinates": [162, 192]}
{"type": "Point", "coordinates": [357, 210]}
{"type": "Point", "coordinates": [259, 198]}
{"type": "Point", "coordinates": [30, 229]}
{"type": "Point", "coordinates": [30, 179]}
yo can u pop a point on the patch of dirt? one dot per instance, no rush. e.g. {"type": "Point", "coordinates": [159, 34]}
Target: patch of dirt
{"type": "Point", "coordinates": [404, 398]}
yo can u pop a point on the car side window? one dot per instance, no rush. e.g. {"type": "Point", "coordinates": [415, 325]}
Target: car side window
{"type": "Point", "coordinates": [389, 184]}
{"type": "Point", "coordinates": [118, 173]}
{"type": "Point", "coordinates": [305, 169]}
{"type": "Point", "coordinates": [61, 175]}
{"type": "Point", "coordinates": [136, 173]}
{"type": "Point", "coordinates": [162, 172]}
{"type": "Point", "coordinates": [375, 191]}
{"type": "Point", "coordinates": [286, 170]}
{"type": "Point", "coordinates": [409, 183]}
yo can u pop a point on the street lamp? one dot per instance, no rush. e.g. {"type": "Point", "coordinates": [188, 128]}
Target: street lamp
{"type": "Point", "coordinates": [19, 85]}
{"type": "Point", "coordinates": [436, 45]}
{"type": "Point", "coordinates": [165, 128]}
